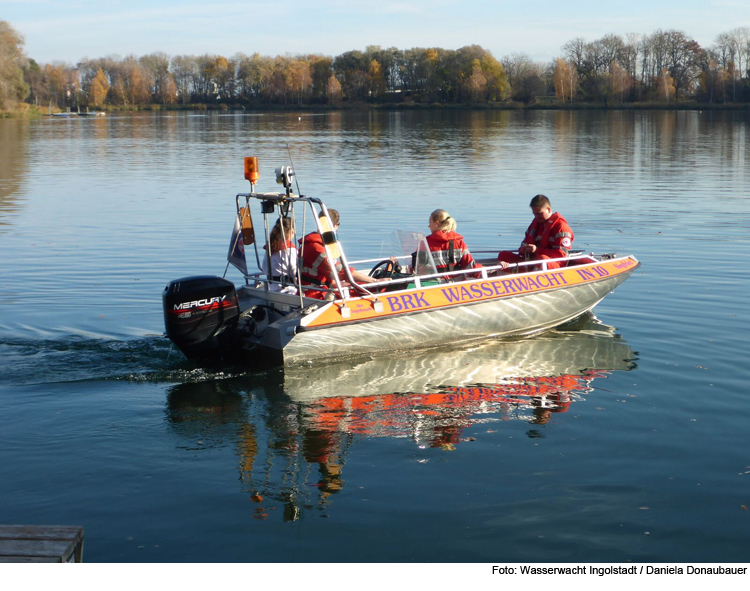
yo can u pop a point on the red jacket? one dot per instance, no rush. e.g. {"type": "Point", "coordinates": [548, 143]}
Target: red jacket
{"type": "Point", "coordinates": [315, 269]}
{"type": "Point", "coordinates": [440, 242]}
{"type": "Point", "coordinates": [552, 238]}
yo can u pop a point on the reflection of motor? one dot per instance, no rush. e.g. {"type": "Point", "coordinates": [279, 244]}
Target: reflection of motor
{"type": "Point", "coordinates": [199, 313]}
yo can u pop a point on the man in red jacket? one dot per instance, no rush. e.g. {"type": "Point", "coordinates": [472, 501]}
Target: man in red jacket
{"type": "Point", "coordinates": [315, 268]}
{"type": "Point", "coordinates": [548, 237]}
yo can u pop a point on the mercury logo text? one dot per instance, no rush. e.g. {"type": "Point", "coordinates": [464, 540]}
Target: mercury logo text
{"type": "Point", "coordinates": [200, 303]}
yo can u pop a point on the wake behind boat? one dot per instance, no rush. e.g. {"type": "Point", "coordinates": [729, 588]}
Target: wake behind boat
{"type": "Point", "coordinates": [410, 306]}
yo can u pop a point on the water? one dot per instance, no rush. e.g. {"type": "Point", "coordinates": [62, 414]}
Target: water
{"type": "Point", "coordinates": [619, 437]}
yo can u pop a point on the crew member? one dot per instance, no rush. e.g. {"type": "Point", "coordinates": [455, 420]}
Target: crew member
{"type": "Point", "coordinates": [316, 270]}
{"type": "Point", "coordinates": [548, 237]}
{"type": "Point", "coordinates": [283, 257]}
{"type": "Point", "coordinates": [449, 251]}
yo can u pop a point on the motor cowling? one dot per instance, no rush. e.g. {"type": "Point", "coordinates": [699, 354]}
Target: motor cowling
{"type": "Point", "coordinates": [199, 312]}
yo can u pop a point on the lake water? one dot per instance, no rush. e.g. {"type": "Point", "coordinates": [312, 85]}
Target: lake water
{"type": "Point", "coordinates": [621, 437]}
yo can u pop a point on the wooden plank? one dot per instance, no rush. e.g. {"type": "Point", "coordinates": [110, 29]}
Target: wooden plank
{"type": "Point", "coordinates": [40, 532]}
{"type": "Point", "coordinates": [31, 543]}
{"type": "Point", "coordinates": [16, 559]}
{"type": "Point", "coordinates": [61, 548]}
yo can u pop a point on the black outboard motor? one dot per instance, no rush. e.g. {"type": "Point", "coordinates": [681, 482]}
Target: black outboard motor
{"type": "Point", "coordinates": [199, 314]}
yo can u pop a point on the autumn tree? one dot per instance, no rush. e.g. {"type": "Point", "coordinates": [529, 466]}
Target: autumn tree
{"type": "Point", "coordinates": [13, 88]}
{"type": "Point", "coordinates": [298, 78]}
{"type": "Point", "coordinates": [168, 91]}
{"type": "Point", "coordinates": [477, 82]}
{"type": "Point", "coordinates": [333, 91]}
{"type": "Point", "coordinates": [137, 86]}
{"type": "Point", "coordinates": [99, 88]}
{"type": "Point", "coordinates": [497, 80]}
{"type": "Point", "coordinates": [562, 78]}
{"type": "Point", "coordinates": [377, 79]}
{"type": "Point", "coordinates": [666, 85]}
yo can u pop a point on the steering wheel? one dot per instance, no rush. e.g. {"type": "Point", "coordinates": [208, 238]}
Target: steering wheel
{"type": "Point", "coordinates": [387, 271]}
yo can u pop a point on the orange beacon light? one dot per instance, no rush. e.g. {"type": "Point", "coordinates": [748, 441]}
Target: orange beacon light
{"type": "Point", "coordinates": [251, 169]}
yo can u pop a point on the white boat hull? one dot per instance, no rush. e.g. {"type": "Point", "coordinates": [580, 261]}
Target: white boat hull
{"type": "Point", "coordinates": [516, 315]}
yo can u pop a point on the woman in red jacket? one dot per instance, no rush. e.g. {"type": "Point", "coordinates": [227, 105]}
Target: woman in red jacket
{"type": "Point", "coordinates": [449, 251]}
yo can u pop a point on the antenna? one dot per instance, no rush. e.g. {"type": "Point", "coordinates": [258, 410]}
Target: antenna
{"type": "Point", "coordinates": [293, 168]}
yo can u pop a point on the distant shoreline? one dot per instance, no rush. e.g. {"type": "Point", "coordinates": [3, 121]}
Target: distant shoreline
{"type": "Point", "coordinates": [37, 112]}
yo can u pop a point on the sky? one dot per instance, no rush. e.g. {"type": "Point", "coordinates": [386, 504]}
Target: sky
{"type": "Point", "coordinates": [68, 31]}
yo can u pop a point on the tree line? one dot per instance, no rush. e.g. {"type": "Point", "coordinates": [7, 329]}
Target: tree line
{"type": "Point", "coordinates": [664, 66]}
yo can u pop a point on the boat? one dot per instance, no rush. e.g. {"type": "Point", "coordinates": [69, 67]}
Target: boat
{"type": "Point", "coordinates": [410, 306]}
{"type": "Point", "coordinates": [88, 113]}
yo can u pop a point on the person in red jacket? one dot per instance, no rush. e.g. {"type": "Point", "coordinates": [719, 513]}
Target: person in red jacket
{"type": "Point", "coordinates": [315, 268]}
{"type": "Point", "coordinates": [449, 251]}
{"type": "Point", "coordinates": [548, 237]}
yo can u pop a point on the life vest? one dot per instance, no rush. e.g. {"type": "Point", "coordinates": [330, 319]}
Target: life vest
{"type": "Point", "coordinates": [315, 268]}
{"type": "Point", "coordinates": [449, 252]}
{"type": "Point", "coordinates": [552, 238]}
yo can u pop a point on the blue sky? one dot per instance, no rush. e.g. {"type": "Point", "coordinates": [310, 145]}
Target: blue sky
{"type": "Point", "coordinates": [67, 31]}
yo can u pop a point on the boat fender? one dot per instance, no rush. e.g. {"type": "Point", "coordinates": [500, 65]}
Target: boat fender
{"type": "Point", "coordinates": [329, 237]}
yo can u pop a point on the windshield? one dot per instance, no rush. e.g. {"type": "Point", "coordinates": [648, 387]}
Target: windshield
{"type": "Point", "coordinates": [411, 250]}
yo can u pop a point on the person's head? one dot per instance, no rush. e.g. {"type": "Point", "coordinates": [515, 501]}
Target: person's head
{"type": "Point", "coordinates": [334, 215]}
{"type": "Point", "coordinates": [278, 237]}
{"type": "Point", "coordinates": [541, 208]}
{"type": "Point", "coordinates": [440, 221]}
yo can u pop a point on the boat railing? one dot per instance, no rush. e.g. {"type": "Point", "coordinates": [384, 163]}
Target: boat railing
{"type": "Point", "coordinates": [483, 272]}
{"type": "Point", "coordinates": [343, 289]}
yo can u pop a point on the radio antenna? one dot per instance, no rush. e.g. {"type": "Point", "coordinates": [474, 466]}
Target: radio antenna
{"type": "Point", "coordinates": [293, 168]}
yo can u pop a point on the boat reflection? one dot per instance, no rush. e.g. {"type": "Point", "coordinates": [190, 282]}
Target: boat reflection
{"type": "Point", "coordinates": [294, 427]}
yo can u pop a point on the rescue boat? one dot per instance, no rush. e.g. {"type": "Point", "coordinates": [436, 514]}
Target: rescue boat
{"type": "Point", "coordinates": [271, 319]}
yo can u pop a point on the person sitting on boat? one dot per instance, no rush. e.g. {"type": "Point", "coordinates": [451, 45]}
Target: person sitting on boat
{"type": "Point", "coordinates": [283, 257]}
{"type": "Point", "coordinates": [316, 269]}
{"type": "Point", "coordinates": [548, 237]}
{"type": "Point", "coordinates": [449, 251]}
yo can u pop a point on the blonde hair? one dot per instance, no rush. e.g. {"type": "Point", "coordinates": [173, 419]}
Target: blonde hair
{"type": "Point", "coordinates": [445, 222]}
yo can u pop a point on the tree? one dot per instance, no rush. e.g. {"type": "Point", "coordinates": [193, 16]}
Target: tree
{"type": "Point", "coordinates": [99, 88]}
{"type": "Point", "coordinates": [477, 82]}
{"type": "Point", "coordinates": [34, 77]}
{"type": "Point", "coordinates": [562, 80]}
{"type": "Point", "coordinates": [497, 80]}
{"type": "Point", "coordinates": [13, 87]}
{"type": "Point", "coordinates": [184, 68]}
{"type": "Point", "coordinates": [620, 80]}
{"type": "Point", "coordinates": [524, 76]}
{"type": "Point", "coordinates": [333, 91]}
{"type": "Point", "coordinates": [169, 90]}
{"type": "Point", "coordinates": [377, 79]}
{"type": "Point", "coordinates": [666, 85]}
{"type": "Point", "coordinates": [137, 86]}
{"type": "Point", "coordinates": [298, 78]}
{"type": "Point", "coordinates": [321, 72]}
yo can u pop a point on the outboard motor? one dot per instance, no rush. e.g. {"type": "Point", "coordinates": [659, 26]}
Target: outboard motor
{"type": "Point", "coordinates": [199, 313]}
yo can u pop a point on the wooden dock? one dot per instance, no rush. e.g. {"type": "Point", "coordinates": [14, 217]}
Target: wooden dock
{"type": "Point", "coordinates": [41, 543]}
